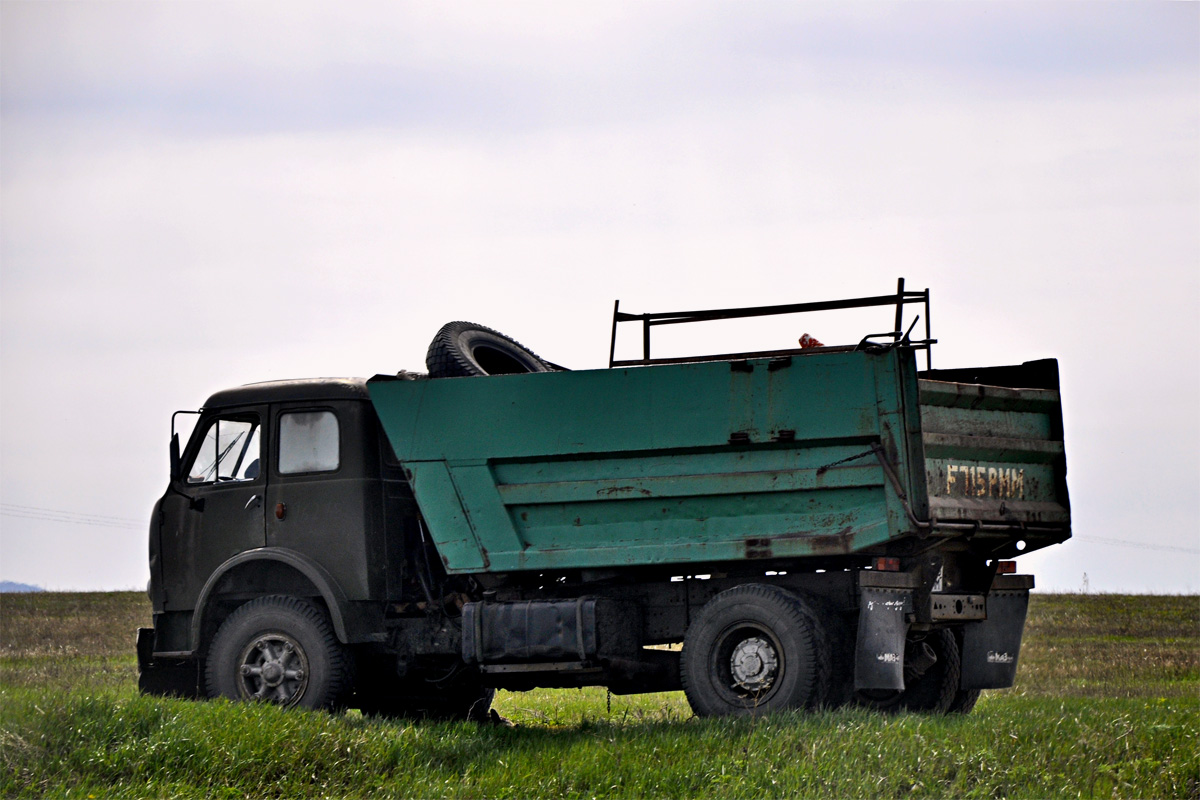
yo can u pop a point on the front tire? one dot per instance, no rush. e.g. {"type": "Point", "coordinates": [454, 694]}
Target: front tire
{"type": "Point", "coordinates": [752, 650]}
{"type": "Point", "coordinates": [279, 650]}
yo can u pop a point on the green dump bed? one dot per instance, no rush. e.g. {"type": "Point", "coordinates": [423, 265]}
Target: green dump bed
{"type": "Point", "coordinates": [820, 454]}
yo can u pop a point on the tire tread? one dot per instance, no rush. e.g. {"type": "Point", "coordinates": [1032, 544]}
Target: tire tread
{"type": "Point", "coordinates": [773, 601]}
{"type": "Point", "coordinates": [338, 684]}
{"type": "Point", "coordinates": [445, 357]}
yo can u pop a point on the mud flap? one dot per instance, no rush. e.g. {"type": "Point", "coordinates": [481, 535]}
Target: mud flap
{"type": "Point", "coordinates": [883, 620]}
{"type": "Point", "coordinates": [991, 647]}
{"type": "Point", "coordinates": [165, 677]}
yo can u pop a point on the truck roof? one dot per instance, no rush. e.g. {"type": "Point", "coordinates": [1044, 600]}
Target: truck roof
{"type": "Point", "coordinates": [290, 390]}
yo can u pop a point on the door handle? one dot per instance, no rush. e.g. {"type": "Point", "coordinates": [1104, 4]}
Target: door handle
{"type": "Point", "coordinates": [253, 501]}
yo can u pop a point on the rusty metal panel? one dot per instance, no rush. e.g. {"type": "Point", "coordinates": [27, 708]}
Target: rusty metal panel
{"type": "Point", "coordinates": [994, 455]}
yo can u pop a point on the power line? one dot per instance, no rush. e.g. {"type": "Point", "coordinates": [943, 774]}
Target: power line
{"type": "Point", "coordinates": [71, 513]}
{"type": "Point", "coordinates": [1141, 545]}
{"type": "Point", "coordinates": [70, 517]}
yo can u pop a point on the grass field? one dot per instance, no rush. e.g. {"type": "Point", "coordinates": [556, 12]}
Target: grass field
{"type": "Point", "coordinates": [1107, 705]}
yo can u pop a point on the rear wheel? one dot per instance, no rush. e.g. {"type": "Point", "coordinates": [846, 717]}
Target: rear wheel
{"type": "Point", "coordinates": [932, 674]}
{"type": "Point", "coordinates": [751, 650]}
{"type": "Point", "coordinates": [279, 650]}
{"type": "Point", "coordinates": [964, 701]}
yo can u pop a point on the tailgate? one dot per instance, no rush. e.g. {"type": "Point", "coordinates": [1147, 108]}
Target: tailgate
{"type": "Point", "coordinates": [994, 456]}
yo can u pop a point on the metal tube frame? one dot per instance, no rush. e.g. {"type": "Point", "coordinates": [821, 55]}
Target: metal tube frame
{"type": "Point", "coordinates": [898, 335]}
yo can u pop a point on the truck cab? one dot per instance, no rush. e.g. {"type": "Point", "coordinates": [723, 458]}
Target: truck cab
{"type": "Point", "coordinates": [284, 487]}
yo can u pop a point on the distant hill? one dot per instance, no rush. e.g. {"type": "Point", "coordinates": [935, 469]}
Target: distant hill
{"type": "Point", "coordinates": [10, 586]}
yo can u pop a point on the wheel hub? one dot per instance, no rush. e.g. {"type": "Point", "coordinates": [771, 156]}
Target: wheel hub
{"type": "Point", "coordinates": [753, 664]}
{"type": "Point", "coordinates": [273, 668]}
{"type": "Point", "coordinates": [272, 673]}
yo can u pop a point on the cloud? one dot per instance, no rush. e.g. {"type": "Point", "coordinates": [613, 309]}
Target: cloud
{"type": "Point", "coordinates": [198, 195]}
{"type": "Point", "coordinates": [263, 67]}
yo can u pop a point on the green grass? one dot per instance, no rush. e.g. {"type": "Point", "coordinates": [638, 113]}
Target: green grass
{"type": "Point", "coordinates": [1107, 705]}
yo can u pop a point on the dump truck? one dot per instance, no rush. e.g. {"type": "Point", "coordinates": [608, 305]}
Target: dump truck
{"type": "Point", "coordinates": [795, 528]}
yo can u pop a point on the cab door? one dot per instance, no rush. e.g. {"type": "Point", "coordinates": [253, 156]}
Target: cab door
{"type": "Point", "coordinates": [320, 501]}
{"type": "Point", "coordinates": [215, 508]}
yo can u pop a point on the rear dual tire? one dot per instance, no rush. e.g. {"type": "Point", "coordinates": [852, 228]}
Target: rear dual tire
{"type": "Point", "coordinates": [756, 648]}
{"type": "Point", "coordinates": [936, 690]}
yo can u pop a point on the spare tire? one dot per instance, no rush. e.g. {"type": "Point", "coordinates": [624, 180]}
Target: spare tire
{"type": "Point", "coordinates": [464, 349]}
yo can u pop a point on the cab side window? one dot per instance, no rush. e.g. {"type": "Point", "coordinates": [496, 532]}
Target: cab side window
{"type": "Point", "coordinates": [308, 442]}
{"type": "Point", "coordinates": [228, 452]}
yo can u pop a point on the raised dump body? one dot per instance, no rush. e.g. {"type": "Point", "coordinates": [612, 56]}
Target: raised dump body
{"type": "Point", "coordinates": [821, 454]}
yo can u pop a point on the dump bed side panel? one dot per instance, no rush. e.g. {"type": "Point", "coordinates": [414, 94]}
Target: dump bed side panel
{"type": "Point", "coordinates": [686, 463]}
{"type": "Point", "coordinates": [994, 454]}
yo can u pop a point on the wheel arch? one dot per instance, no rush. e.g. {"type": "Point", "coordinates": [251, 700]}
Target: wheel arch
{"type": "Point", "coordinates": [265, 571]}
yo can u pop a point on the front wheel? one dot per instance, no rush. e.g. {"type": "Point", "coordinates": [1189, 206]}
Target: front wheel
{"type": "Point", "coordinates": [751, 650]}
{"type": "Point", "coordinates": [279, 650]}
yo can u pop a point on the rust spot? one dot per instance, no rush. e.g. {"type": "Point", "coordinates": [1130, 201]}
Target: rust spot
{"type": "Point", "coordinates": [578, 523]}
{"type": "Point", "coordinates": [791, 535]}
{"type": "Point", "coordinates": [615, 490]}
{"type": "Point", "coordinates": [839, 543]}
{"type": "Point", "coordinates": [830, 545]}
{"type": "Point", "coordinates": [525, 516]}
{"type": "Point", "coordinates": [981, 395]}
{"type": "Point", "coordinates": [758, 548]}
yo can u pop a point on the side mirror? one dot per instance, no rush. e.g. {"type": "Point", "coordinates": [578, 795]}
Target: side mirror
{"type": "Point", "coordinates": [175, 457]}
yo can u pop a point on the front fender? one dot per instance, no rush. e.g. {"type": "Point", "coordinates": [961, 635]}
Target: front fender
{"type": "Point", "coordinates": [335, 599]}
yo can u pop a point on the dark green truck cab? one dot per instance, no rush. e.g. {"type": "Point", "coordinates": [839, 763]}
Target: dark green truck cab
{"type": "Point", "coordinates": [814, 527]}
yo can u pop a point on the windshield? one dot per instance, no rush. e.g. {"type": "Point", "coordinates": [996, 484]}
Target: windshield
{"type": "Point", "coordinates": [229, 452]}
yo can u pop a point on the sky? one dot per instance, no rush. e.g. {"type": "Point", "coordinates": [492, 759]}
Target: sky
{"type": "Point", "coordinates": [199, 195]}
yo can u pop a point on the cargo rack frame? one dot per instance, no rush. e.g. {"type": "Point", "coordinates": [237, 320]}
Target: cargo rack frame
{"type": "Point", "coordinates": [899, 336]}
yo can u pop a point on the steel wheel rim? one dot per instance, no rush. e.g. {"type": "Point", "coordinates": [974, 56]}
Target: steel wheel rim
{"type": "Point", "coordinates": [273, 668]}
{"type": "Point", "coordinates": [748, 661]}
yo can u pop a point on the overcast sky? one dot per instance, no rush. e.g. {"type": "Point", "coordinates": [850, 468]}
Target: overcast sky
{"type": "Point", "coordinates": [198, 195]}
